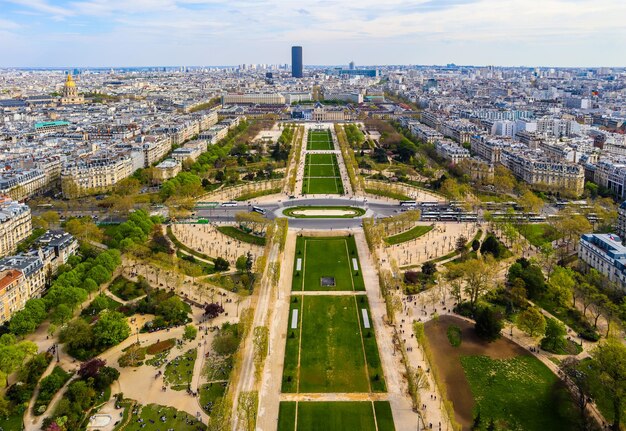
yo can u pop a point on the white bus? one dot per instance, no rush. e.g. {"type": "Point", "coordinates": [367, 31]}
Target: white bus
{"type": "Point", "coordinates": [258, 210]}
{"type": "Point", "coordinates": [408, 203]}
{"type": "Point", "coordinates": [229, 204]}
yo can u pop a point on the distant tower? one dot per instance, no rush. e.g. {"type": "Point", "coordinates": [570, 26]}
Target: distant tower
{"type": "Point", "coordinates": [70, 92]}
{"type": "Point", "coordinates": [351, 65]}
{"type": "Point", "coordinates": [296, 61]}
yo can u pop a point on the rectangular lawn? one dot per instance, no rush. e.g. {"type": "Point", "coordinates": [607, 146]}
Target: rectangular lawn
{"type": "Point", "coordinates": [319, 140]}
{"type": "Point", "coordinates": [331, 348]}
{"type": "Point", "coordinates": [327, 257]}
{"type": "Point", "coordinates": [328, 416]}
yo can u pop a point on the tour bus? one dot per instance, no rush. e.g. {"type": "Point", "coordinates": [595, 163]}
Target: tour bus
{"type": "Point", "coordinates": [408, 203]}
{"type": "Point", "coordinates": [229, 204]}
{"type": "Point", "coordinates": [258, 210]}
{"type": "Point", "coordinates": [429, 204]}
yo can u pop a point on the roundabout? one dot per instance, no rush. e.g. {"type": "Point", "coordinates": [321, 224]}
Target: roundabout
{"type": "Point", "coordinates": [323, 212]}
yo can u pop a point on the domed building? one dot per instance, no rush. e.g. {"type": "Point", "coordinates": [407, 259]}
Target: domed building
{"type": "Point", "coordinates": [70, 92]}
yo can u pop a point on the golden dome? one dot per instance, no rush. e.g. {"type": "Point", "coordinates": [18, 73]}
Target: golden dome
{"type": "Point", "coordinates": [69, 82]}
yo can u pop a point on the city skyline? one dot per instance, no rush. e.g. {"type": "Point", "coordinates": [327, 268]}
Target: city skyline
{"type": "Point", "coordinates": [96, 33]}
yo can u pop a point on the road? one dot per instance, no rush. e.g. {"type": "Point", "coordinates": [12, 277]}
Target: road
{"type": "Point", "coordinates": [247, 381]}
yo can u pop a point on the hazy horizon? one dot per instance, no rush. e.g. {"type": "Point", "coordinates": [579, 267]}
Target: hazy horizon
{"type": "Point", "coordinates": [144, 33]}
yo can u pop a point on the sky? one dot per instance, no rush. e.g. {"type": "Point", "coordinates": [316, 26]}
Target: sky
{"type": "Point", "coordinates": [114, 33]}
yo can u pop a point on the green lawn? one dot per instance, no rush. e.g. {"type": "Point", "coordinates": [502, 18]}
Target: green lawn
{"type": "Point", "coordinates": [292, 349]}
{"type": "Point", "coordinates": [174, 419]}
{"type": "Point", "coordinates": [521, 392]}
{"type": "Point", "coordinates": [331, 348]}
{"type": "Point", "coordinates": [210, 393]}
{"type": "Point", "coordinates": [178, 372]}
{"type": "Point", "coordinates": [413, 233]}
{"type": "Point", "coordinates": [327, 257]}
{"type": "Point", "coordinates": [328, 416]}
{"type": "Point", "coordinates": [384, 418]}
{"type": "Point", "coordinates": [374, 367]}
{"type": "Point", "coordinates": [539, 234]}
{"type": "Point", "coordinates": [322, 186]}
{"type": "Point", "coordinates": [388, 194]}
{"type": "Point", "coordinates": [287, 416]}
{"type": "Point", "coordinates": [322, 170]}
{"type": "Point", "coordinates": [242, 236]}
{"type": "Point", "coordinates": [322, 175]}
{"type": "Point", "coordinates": [319, 140]}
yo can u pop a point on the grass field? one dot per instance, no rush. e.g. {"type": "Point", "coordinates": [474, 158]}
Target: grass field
{"type": "Point", "coordinates": [335, 416]}
{"type": "Point", "coordinates": [520, 392]}
{"type": "Point", "coordinates": [539, 234]}
{"type": "Point", "coordinates": [319, 140]}
{"type": "Point", "coordinates": [327, 257]}
{"type": "Point", "coordinates": [321, 175]}
{"type": "Point", "coordinates": [242, 236]}
{"type": "Point", "coordinates": [410, 234]}
{"type": "Point", "coordinates": [174, 419]}
{"type": "Point", "coordinates": [330, 348]}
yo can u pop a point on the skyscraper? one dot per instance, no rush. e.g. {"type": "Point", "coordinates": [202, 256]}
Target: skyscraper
{"type": "Point", "coordinates": [296, 61]}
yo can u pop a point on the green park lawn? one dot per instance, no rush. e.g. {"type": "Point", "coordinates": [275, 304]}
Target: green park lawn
{"type": "Point", "coordinates": [374, 367]}
{"type": "Point", "coordinates": [322, 186]}
{"type": "Point", "coordinates": [331, 347]}
{"type": "Point", "coordinates": [520, 392]}
{"type": "Point", "coordinates": [242, 236]}
{"type": "Point", "coordinates": [319, 140]}
{"type": "Point", "coordinates": [321, 171]}
{"type": "Point", "coordinates": [335, 416]}
{"type": "Point", "coordinates": [174, 419]}
{"type": "Point", "coordinates": [327, 257]}
{"type": "Point", "coordinates": [179, 371]}
{"type": "Point", "coordinates": [539, 234]}
{"type": "Point", "coordinates": [410, 234]}
{"type": "Point", "coordinates": [321, 159]}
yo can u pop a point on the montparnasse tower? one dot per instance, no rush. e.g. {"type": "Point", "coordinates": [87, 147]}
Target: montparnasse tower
{"type": "Point", "coordinates": [70, 92]}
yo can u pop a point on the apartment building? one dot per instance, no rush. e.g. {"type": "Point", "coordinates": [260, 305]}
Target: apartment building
{"type": "Point", "coordinates": [451, 151]}
{"type": "Point", "coordinates": [253, 99]}
{"type": "Point", "coordinates": [95, 175]}
{"type": "Point", "coordinates": [22, 184]}
{"type": "Point", "coordinates": [605, 253]}
{"type": "Point", "coordinates": [22, 277]}
{"type": "Point", "coordinates": [15, 224]}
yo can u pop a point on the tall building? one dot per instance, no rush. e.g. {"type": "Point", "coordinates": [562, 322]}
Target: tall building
{"type": "Point", "coordinates": [351, 65]}
{"type": "Point", "coordinates": [296, 61]}
{"type": "Point", "coordinates": [15, 224]}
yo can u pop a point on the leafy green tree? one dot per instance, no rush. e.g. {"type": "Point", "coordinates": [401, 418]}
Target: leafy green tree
{"type": "Point", "coordinates": [61, 314]}
{"type": "Point", "coordinates": [532, 322]}
{"type": "Point", "coordinates": [172, 309]}
{"type": "Point", "coordinates": [561, 286]}
{"type": "Point", "coordinates": [90, 285]}
{"type": "Point", "coordinates": [190, 332]}
{"type": "Point", "coordinates": [99, 274]}
{"type": "Point", "coordinates": [609, 358]}
{"type": "Point", "coordinates": [554, 340]}
{"type": "Point", "coordinates": [110, 329]}
{"type": "Point", "coordinates": [22, 323]}
{"type": "Point", "coordinates": [78, 334]}
{"type": "Point", "coordinates": [488, 324]}
{"type": "Point", "coordinates": [221, 264]}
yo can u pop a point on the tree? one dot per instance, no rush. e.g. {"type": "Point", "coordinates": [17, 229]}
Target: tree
{"type": "Point", "coordinates": [91, 368]}
{"type": "Point", "coordinates": [579, 386]}
{"type": "Point", "coordinates": [172, 309]}
{"type": "Point", "coordinates": [247, 407]}
{"type": "Point", "coordinates": [532, 322]}
{"type": "Point", "coordinates": [241, 264]}
{"type": "Point", "coordinates": [609, 358]}
{"type": "Point", "coordinates": [554, 340]}
{"type": "Point", "coordinates": [561, 286]}
{"type": "Point", "coordinates": [491, 245]}
{"type": "Point", "coordinates": [211, 311]}
{"type": "Point", "coordinates": [429, 268]}
{"type": "Point", "coordinates": [110, 329]}
{"type": "Point", "coordinates": [190, 333]}
{"type": "Point", "coordinates": [22, 323]}
{"type": "Point", "coordinates": [488, 324]}
{"type": "Point", "coordinates": [477, 274]}
{"type": "Point", "coordinates": [530, 202]}
{"type": "Point", "coordinates": [475, 245]}
{"type": "Point", "coordinates": [77, 334]}
{"type": "Point", "coordinates": [221, 264]}
{"type": "Point", "coordinates": [61, 314]}
{"type": "Point", "coordinates": [460, 244]}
